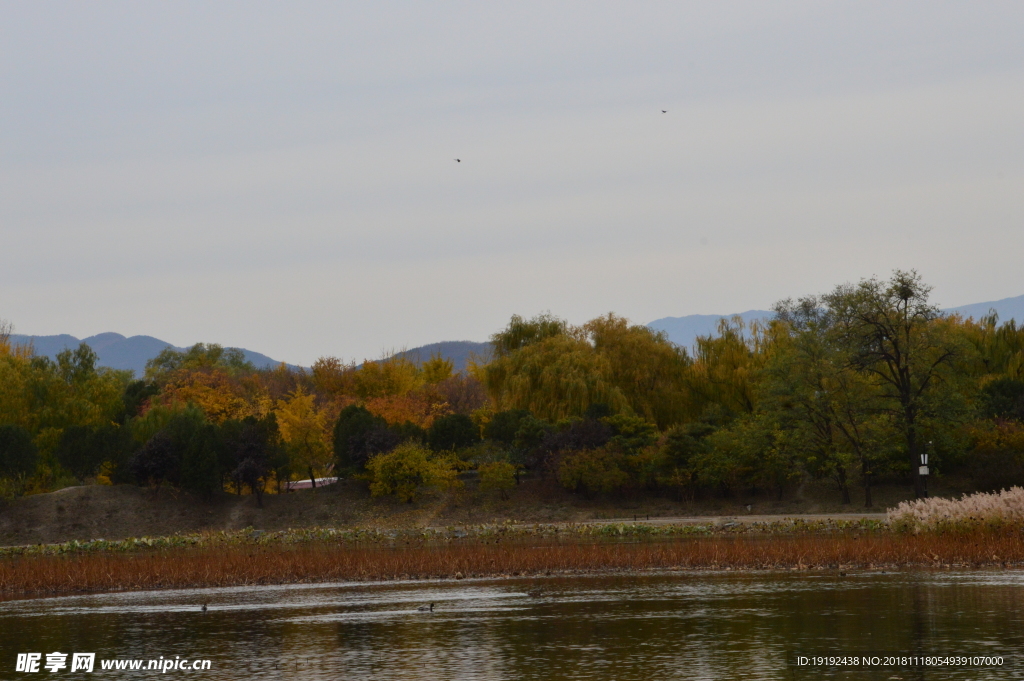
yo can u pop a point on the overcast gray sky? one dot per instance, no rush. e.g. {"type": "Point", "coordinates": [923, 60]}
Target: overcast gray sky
{"type": "Point", "coordinates": [281, 176]}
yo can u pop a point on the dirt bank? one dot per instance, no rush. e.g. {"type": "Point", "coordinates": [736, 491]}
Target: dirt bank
{"type": "Point", "coordinates": [118, 512]}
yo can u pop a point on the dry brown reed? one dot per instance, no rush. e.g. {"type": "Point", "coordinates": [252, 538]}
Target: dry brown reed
{"type": "Point", "coordinates": [253, 565]}
{"type": "Point", "coordinates": [971, 510]}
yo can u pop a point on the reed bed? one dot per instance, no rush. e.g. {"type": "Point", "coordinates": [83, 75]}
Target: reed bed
{"type": "Point", "coordinates": [256, 565]}
{"type": "Point", "coordinates": [970, 511]}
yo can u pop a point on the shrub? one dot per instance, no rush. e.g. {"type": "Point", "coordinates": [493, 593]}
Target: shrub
{"type": "Point", "coordinates": [357, 436]}
{"type": "Point", "coordinates": [997, 455]}
{"type": "Point", "coordinates": [18, 456]}
{"type": "Point", "coordinates": [574, 436]}
{"type": "Point", "coordinates": [408, 431]}
{"type": "Point", "coordinates": [82, 450]}
{"type": "Point", "coordinates": [452, 432]}
{"type": "Point", "coordinates": [631, 433]}
{"type": "Point", "coordinates": [256, 448]}
{"type": "Point", "coordinates": [158, 460]}
{"type": "Point", "coordinates": [1003, 398]}
{"type": "Point", "coordinates": [186, 452]}
{"type": "Point", "coordinates": [79, 451]}
{"type": "Point", "coordinates": [497, 476]}
{"type": "Point", "coordinates": [408, 468]}
{"type": "Point", "coordinates": [504, 425]}
{"type": "Point", "coordinates": [593, 471]}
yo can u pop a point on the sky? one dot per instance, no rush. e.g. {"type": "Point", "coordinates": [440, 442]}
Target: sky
{"type": "Point", "coordinates": [282, 176]}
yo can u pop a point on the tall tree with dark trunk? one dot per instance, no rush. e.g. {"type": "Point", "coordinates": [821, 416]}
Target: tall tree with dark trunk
{"type": "Point", "coordinates": [892, 333]}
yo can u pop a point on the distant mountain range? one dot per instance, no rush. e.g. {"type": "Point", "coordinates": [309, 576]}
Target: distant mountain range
{"type": "Point", "coordinates": [684, 330]}
{"type": "Point", "coordinates": [458, 352]}
{"type": "Point", "coordinates": [118, 352]}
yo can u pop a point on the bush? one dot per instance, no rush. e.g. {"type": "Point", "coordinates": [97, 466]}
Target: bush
{"type": "Point", "coordinates": [408, 468]}
{"type": "Point", "coordinates": [158, 460]}
{"type": "Point", "coordinates": [631, 433]}
{"type": "Point", "coordinates": [1003, 398]}
{"type": "Point", "coordinates": [592, 471]}
{"type": "Point", "coordinates": [18, 456]}
{"type": "Point", "coordinates": [257, 450]}
{"type": "Point", "coordinates": [497, 476]}
{"type": "Point", "coordinates": [452, 432]}
{"type": "Point", "coordinates": [80, 451]}
{"type": "Point", "coordinates": [575, 436]}
{"type": "Point", "coordinates": [996, 457]}
{"type": "Point", "coordinates": [186, 452]}
{"type": "Point", "coordinates": [504, 425]}
{"type": "Point", "coordinates": [358, 434]}
{"type": "Point", "coordinates": [408, 431]}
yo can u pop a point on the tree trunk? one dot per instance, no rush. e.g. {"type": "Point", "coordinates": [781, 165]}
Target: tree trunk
{"type": "Point", "coordinates": [866, 475]}
{"type": "Point", "coordinates": [843, 487]}
{"type": "Point", "coordinates": [312, 478]}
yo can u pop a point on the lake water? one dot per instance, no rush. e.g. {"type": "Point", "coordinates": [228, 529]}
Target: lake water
{"type": "Point", "coordinates": [686, 625]}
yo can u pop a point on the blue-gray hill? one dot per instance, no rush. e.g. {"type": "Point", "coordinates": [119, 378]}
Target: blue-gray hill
{"type": "Point", "coordinates": [459, 352]}
{"type": "Point", "coordinates": [120, 352]}
{"type": "Point", "coordinates": [684, 330]}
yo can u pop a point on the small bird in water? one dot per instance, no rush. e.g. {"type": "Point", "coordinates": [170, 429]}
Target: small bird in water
{"type": "Point", "coordinates": [204, 607]}
{"type": "Point", "coordinates": [664, 111]}
{"type": "Point", "coordinates": [426, 608]}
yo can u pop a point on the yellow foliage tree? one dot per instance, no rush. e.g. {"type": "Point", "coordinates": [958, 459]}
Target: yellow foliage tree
{"type": "Point", "coordinates": [411, 407]}
{"type": "Point", "coordinates": [304, 430]}
{"type": "Point", "coordinates": [212, 390]}
{"type": "Point", "coordinates": [393, 375]}
{"type": "Point", "coordinates": [436, 369]}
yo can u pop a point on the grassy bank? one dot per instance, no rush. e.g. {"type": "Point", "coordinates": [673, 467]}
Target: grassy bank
{"type": "Point", "coordinates": [253, 558]}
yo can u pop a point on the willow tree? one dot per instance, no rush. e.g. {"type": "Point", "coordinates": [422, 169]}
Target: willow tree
{"type": "Point", "coordinates": [725, 369]}
{"type": "Point", "coordinates": [554, 378]}
{"type": "Point", "coordinates": [649, 370]}
{"type": "Point", "coordinates": [555, 370]}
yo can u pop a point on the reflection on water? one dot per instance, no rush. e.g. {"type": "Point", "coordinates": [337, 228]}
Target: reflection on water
{"type": "Point", "coordinates": [652, 626]}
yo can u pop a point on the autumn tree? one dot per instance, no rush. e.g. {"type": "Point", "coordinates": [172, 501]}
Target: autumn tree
{"type": "Point", "coordinates": [408, 468]}
{"type": "Point", "coordinates": [333, 378]}
{"type": "Point", "coordinates": [199, 357]}
{"type": "Point", "coordinates": [548, 369]}
{"type": "Point", "coordinates": [436, 369]}
{"type": "Point", "coordinates": [394, 375]}
{"type": "Point", "coordinates": [304, 430]}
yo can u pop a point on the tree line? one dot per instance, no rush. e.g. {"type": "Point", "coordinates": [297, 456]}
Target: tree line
{"type": "Point", "coordinates": [851, 386]}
